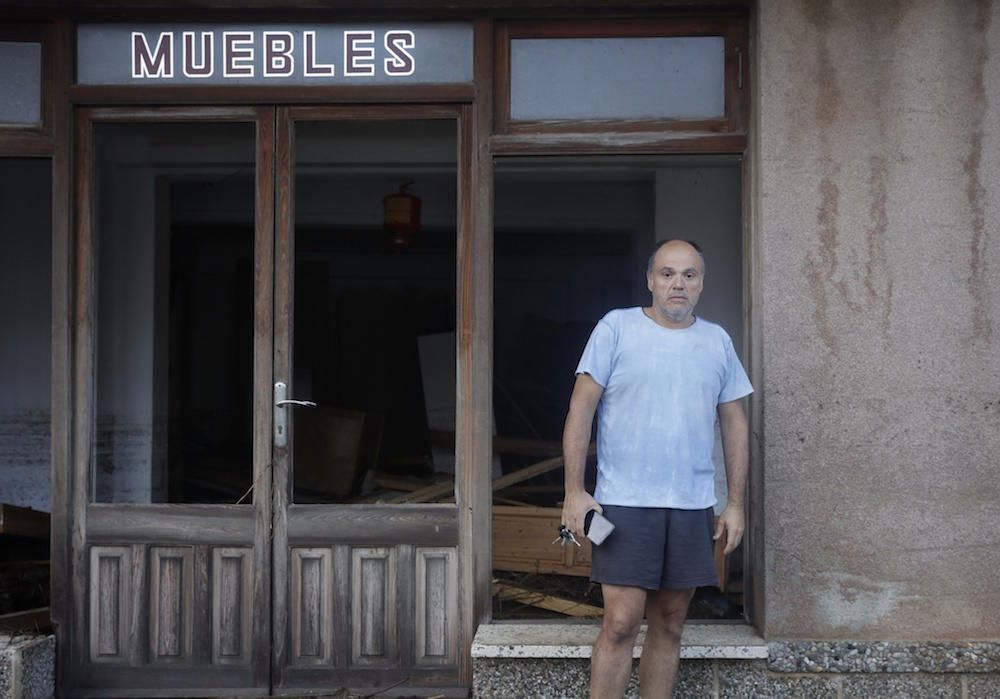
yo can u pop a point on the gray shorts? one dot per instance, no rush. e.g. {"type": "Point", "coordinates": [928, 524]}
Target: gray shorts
{"type": "Point", "coordinates": [655, 548]}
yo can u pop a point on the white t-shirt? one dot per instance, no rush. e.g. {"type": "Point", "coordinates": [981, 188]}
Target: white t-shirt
{"type": "Point", "coordinates": [656, 418]}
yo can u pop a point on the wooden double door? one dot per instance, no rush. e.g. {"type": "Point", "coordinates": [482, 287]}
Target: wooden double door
{"type": "Point", "coordinates": [252, 316]}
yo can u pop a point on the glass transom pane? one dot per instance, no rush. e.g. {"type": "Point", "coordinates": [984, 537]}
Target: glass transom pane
{"type": "Point", "coordinates": [20, 83]}
{"type": "Point", "coordinates": [617, 78]}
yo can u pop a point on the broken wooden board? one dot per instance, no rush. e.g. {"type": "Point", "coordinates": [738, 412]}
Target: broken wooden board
{"type": "Point", "coordinates": [522, 542]}
{"type": "Point", "coordinates": [522, 595]}
{"type": "Point", "coordinates": [443, 490]}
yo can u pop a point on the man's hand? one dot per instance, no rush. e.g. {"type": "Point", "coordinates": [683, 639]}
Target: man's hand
{"type": "Point", "coordinates": [731, 522]}
{"type": "Point", "coordinates": [575, 507]}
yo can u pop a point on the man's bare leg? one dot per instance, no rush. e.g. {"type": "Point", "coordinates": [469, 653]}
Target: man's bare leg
{"type": "Point", "coordinates": [661, 651]}
{"type": "Point", "coordinates": [611, 661]}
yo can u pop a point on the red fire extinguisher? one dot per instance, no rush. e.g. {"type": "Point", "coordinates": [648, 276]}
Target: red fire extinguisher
{"type": "Point", "coordinates": [401, 214]}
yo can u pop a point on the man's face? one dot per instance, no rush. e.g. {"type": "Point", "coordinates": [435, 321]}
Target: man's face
{"type": "Point", "coordinates": [676, 280]}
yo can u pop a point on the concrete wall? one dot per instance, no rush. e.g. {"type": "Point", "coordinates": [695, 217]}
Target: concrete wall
{"type": "Point", "coordinates": [877, 155]}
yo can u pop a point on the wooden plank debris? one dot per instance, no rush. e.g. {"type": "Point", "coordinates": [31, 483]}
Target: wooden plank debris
{"type": "Point", "coordinates": [441, 490]}
{"type": "Point", "coordinates": [31, 620]}
{"type": "Point", "coordinates": [508, 591]}
{"type": "Point", "coordinates": [522, 542]}
{"type": "Point", "coordinates": [23, 521]}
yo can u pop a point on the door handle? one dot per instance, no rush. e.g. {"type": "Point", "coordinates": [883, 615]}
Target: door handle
{"type": "Point", "coordinates": [290, 401]}
{"type": "Point", "coordinates": [281, 403]}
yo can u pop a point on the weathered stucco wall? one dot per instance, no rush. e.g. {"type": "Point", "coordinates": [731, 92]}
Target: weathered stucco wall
{"type": "Point", "coordinates": [877, 234]}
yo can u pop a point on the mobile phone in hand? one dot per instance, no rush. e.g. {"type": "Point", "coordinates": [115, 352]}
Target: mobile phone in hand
{"type": "Point", "coordinates": [597, 527]}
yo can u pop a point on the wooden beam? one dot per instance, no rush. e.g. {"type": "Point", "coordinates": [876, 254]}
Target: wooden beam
{"type": "Point", "coordinates": [523, 595]}
{"type": "Point", "coordinates": [442, 490]}
{"type": "Point", "coordinates": [504, 445]}
{"type": "Point", "coordinates": [23, 521]}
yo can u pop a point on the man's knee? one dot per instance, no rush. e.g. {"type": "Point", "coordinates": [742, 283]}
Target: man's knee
{"type": "Point", "coordinates": [668, 610]}
{"type": "Point", "coordinates": [621, 628]}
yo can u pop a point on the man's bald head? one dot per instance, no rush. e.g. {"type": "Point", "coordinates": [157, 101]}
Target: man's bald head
{"type": "Point", "coordinates": [678, 244]}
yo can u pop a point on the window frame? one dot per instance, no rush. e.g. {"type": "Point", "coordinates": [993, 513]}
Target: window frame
{"type": "Point", "coordinates": [732, 29]}
{"type": "Point", "coordinates": [33, 139]}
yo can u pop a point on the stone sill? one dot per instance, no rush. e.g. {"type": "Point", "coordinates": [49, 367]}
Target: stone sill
{"type": "Point", "coordinates": [542, 639]}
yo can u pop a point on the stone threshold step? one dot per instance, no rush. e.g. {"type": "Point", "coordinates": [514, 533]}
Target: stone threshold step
{"type": "Point", "coordinates": [559, 640]}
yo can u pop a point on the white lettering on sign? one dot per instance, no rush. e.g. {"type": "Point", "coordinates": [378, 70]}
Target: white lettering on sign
{"type": "Point", "coordinates": [237, 54]}
{"type": "Point", "coordinates": [400, 61]}
{"type": "Point", "coordinates": [359, 53]}
{"type": "Point", "coordinates": [156, 63]}
{"type": "Point", "coordinates": [278, 59]}
{"type": "Point", "coordinates": [279, 54]}
{"type": "Point", "coordinates": [193, 68]}
{"type": "Point", "coordinates": [314, 69]}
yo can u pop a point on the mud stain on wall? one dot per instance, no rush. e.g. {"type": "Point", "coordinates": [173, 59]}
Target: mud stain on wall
{"type": "Point", "coordinates": [821, 264]}
{"type": "Point", "coordinates": [972, 164]}
{"type": "Point", "coordinates": [878, 283]}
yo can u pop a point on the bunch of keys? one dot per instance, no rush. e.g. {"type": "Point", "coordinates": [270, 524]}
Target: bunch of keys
{"type": "Point", "coordinates": [565, 536]}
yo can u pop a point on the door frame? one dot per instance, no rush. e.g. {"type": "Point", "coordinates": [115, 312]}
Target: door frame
{"type": "Point", "coordinates": [133, 527]}
{"type": "Point", "coordinates": [474, 380]}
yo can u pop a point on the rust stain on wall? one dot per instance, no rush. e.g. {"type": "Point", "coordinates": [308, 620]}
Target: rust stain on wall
{"type": "Point", "coordinates": [878, 283]}
{"type": "Point", "coordinates": [974, 190]}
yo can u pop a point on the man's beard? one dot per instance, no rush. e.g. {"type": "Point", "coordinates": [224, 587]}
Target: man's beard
{"type": "Point", "coordinates": [676, 315]}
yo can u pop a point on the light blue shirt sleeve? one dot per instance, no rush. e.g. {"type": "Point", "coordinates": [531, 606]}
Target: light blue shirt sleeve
{"type": "Point", "coordinates": [598, 355]}
{"type": "Point", "coordinates": [736, 384]}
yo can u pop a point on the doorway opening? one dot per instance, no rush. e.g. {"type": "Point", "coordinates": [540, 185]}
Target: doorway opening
{"type": "Point", "coordinates": [572, 236]}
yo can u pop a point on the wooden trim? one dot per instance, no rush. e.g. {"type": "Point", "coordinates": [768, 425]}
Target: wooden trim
{"type": "Point", "coordinates": [83, 395]}
{"type": "Point", "coordinates": [473, 426]}
{"type": "Point", "coordinates": [373, 112]}
{"type": "Point", "coordinates": [18, 144]}
{"type": "Point", "coordinates": [254, 95]}
{"type": "Point", "coordinates": [263, 353]}
{"type": "Point", "coordinates": [731, 27]}
{"type": "Point", "coordinates": [61, 571]}
{"type": "Point", "coordinates": [160, 523]}
{"type": "Point", "coordinates": [372, 525]}
{"type": "Point", "coordinates": [587, 126]}
{"type": "Point", "coordinates": [715, 25]}
{"type": "Point", "coordinates": [754, 563]}
{"type": "Point", "coordinates": [172, 114]}
{"type": "Point", "coordinates": [284, 269]}
{"type": "Point", "coordinates": [617, 143]}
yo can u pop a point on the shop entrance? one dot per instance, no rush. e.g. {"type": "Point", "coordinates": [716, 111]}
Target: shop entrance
{"type": "Point", "coordinates": [265, 334]}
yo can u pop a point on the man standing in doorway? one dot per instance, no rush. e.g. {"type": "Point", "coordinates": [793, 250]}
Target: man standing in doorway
{"type": "Point", "coordinates": [658, 376]}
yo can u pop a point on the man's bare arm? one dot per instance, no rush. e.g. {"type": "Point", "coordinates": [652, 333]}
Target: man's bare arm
{"type": "Point", "coordinates": [576, 442]}
{"type": "Point", "coordinates": [736, 447]}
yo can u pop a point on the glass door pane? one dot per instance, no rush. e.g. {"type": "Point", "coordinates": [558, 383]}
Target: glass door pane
{"type": "Point", "coordinates": [174, 219]}
{"type": "Point", "coordinates": [374, 333]}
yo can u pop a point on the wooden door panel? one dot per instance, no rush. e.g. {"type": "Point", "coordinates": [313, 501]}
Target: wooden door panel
{"type": "Point", "coordinates": [171, 604]}
{"type": "Point", "coordinates": [231, 588]}
{"type": "Point", "coordinates": [110, 593]}
{"type": "Point", "coordinates": [373, 606]}
{"type": "Point", "coordinates": [435, 621]}
{"type": "Point", "coordinates": [312, 606]}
